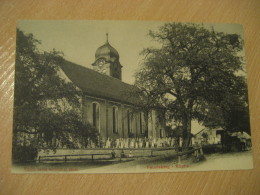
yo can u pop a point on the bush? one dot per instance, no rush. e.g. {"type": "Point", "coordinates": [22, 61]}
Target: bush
{"type": "Point", "coordinates": [131, 135]}
{"type": "Point", "coordinates": [24, 153]}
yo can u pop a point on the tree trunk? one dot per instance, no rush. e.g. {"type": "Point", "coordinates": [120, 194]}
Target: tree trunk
{"type": "Point", "coordinates": [187, 124]}
{"type": "Point", "coordinates": [187, 130]}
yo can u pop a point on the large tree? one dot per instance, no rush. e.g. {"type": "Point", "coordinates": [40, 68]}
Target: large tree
{"type": "Point", "coordinates": [194, 73]}
{"type": "Point", "coordinates": [45, 105]}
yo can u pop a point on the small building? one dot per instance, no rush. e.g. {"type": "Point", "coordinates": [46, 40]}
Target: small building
{"type": "Point", "coordinates": [209, 136]}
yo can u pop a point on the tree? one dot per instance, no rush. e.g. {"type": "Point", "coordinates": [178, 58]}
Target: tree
{"type": "Point", "coordinates": [194, 72]}
{"type": "Point", "coordinates": [45, 105]}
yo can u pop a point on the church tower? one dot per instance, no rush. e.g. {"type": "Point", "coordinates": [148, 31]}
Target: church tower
{"type": "Point", "coordinates": [107, 61]}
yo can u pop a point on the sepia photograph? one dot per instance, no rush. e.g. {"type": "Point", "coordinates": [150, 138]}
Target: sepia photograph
{"type": "Point", "coordinates": [130, 97]}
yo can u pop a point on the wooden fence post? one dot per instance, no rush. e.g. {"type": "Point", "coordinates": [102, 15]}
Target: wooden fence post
{"type": "Point", "coordinates": [39, 159]}
{"type": "Point", "coordinates": [92, 157]}
{"type": "Point", "coordinates": [65, 159]}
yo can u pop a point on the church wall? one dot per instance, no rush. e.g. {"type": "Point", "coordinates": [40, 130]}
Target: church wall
{"type": "Point", "coordinates": [151, 124]}
{"type": "Point", "coordinates": [112, 134]}
{"type": "Point", "coordinates": [156, 124]}
{"type": "Point", "coordinates": [161, 124]}
{"type": "Point", "coordinates": [137, 125]}
{"type": "Point", "coordinates": [122, 121]}
{"type": "Point", "coordinates": [102, 118]}
{"type": "Point", "coordinates": [87, 110]}
{"type": "Point", "coordinates": [135, 122]}
{"type": "Point", "coordinates": [106, 116]}
{"type": "Point", "coordinates": [106, 119]}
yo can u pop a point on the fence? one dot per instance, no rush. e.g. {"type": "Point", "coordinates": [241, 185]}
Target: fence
{"type": "Point", "coordinates": [65, 157]}
{"type": "Point", "coordinates": [196, 150]}
{"type": "Point", "coordinates": [144, 152]}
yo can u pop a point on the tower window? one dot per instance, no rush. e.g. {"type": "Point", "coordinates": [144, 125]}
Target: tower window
{"type": "Point", "coordinates": [115, 119]}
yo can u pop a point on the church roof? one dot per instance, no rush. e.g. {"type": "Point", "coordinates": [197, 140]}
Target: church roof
{"type": "Point", "coordinates": [99, 85]}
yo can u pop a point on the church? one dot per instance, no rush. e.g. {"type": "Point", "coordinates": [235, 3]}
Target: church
{"type": "Point", "coordinates": [107, 103]}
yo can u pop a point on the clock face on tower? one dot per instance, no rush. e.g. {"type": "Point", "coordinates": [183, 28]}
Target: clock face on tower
{"type": "Point", "coordinates": [101, 66]}
{"type": "Point", "coordinates": [108, 68]}
{"type": "Point", "coordinates": [101, 62]}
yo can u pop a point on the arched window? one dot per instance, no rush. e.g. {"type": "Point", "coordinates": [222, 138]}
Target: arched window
{"type": "Point", "coordinates": [115, 119]}
{"type": "Point", "coordinates": [96, 118]}
{"type": "Point", "coordinates": [129, 121]}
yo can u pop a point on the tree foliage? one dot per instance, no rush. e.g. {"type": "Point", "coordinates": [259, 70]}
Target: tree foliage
{"type": "Point", "coordinates": [45, 105]}
{"type": "Point", "coordinates": [195, 74]}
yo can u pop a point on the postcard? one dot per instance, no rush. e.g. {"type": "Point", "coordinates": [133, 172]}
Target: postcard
{"type": "Point", "coordinates": [130, 97]}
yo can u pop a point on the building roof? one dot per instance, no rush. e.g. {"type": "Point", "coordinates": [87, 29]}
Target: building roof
{"type": "Point", "coordinates": [95, 84]}
{"type": "Point", "coordinates": [209, 129]}
{"type": "Point", "coordinates": [106, 51]}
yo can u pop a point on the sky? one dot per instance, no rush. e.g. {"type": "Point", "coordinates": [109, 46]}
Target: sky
{"type": "Point", "coordinates": [79, 40]}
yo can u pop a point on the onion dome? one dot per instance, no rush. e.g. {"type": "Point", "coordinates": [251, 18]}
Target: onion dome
{"type": "Point", "coordinates": [106, 51]}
